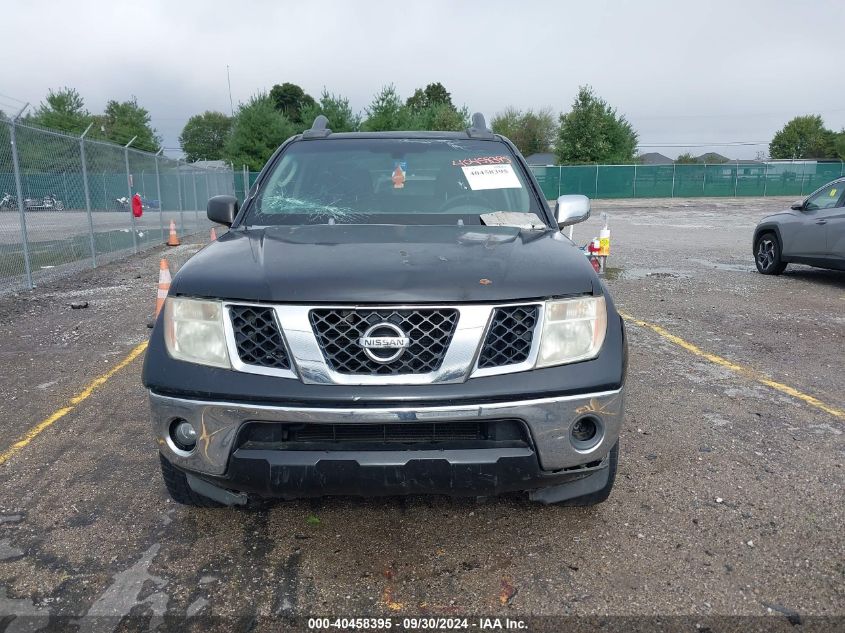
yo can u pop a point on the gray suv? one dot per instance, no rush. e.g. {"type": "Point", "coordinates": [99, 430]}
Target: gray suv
{"type": "Point", "coordinates": [811, 232]}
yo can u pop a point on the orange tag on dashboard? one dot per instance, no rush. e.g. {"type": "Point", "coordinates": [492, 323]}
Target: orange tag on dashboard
{"type": "Point", "coordinates": [398, 176]}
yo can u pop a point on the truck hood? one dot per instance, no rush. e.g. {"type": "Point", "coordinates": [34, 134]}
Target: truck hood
{"type": "Point", "coordinates": [386, 264]}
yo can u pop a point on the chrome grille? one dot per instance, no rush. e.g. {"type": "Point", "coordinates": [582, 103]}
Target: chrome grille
{"type": "Point", "coordinates": [257, 337]}
{"type": "Point", "coordinates": [430, 331]}
{"type": "Point", "coordinates": [509, 338]}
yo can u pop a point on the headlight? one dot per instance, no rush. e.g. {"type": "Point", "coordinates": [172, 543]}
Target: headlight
{"type": "Point", "coordinates": [193, 331]}
{"type": "Point", "coordinates": [573, 330]}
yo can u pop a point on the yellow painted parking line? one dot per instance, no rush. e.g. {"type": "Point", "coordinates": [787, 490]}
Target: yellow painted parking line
{"type": "Point", "coordinates": [57, 415]}
{"type": "Point", "coordinates": [747, 372]}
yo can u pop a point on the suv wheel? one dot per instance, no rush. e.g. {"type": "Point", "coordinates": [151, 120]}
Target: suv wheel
{"type": "Point", "coordinates": [767, 255]}
{"type": "Point", "coordinates": [179, 490]}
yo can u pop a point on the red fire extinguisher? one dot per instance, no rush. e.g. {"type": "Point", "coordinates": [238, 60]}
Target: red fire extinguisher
{"type": "Point", "coordinates": [137, 206]}
{"type": "Point", "coordinates": [593, 249]}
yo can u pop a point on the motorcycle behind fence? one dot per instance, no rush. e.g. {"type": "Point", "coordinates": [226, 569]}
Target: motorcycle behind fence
{"type": "Point", "coordinates": [47, 203]}
{"type": "Point", "coordinates": [8, 201]}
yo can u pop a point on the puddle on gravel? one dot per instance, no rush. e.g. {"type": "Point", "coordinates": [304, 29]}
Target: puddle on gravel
{"type": "Point", "coordinates": [612, 274]}
{"type": "Point", "coordinates": [11, 518]}
{"type": "Point", "coordinates": [125, 593]}
{"type": "Point", "coordinates": [20, 614]}
{"type": "Point", "coordinates": [733, 268]}
{"type": "Point", "coordinates": [8, 551]}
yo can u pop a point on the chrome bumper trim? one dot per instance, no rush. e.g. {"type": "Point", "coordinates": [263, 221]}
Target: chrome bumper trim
{"type": "Point", "coordinates": [548, 419]}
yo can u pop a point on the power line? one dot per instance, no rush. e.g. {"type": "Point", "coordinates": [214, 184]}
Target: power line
{"type": "Point", "coordinates": [739, 115]}
{"type": "Point", "coordinates": [13, 106]}
{"type": "Point", "coordinates": [12, 98]}
{"type": "Point", "coordinates": [229, 81]}
{"type": "Point", "coordinates": [714, 144]}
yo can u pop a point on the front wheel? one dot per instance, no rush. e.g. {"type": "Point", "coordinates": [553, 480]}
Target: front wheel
{"type": "Point", "coordinates": [599, 496]}
{"type": "Point", "coordinates": [179, 490]}
{"type": "Point", "coordinates": [767, 255]}
{"type": "Point", "coordinates": [562, 494]}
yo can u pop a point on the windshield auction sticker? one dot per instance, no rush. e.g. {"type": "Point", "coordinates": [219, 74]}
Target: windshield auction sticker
{"type": "Point", "coordinates": [482, 160]}
{"type": "Point", "coordinates": [482, 177]}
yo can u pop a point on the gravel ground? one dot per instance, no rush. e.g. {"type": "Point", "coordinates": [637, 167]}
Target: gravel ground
{"type": "Point", "coordinates": [728, 499]}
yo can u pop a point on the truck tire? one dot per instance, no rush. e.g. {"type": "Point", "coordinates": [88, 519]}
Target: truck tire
{"type": "Point", "coordinates": [598, 496]}
{"type": "Point", "coordinates": [179, 490]}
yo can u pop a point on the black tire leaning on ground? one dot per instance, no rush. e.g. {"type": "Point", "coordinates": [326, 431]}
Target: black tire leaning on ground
{"type": "Point", "coordinates": [179, 490]}
{"type": "Point", "coordinates": [594, 498]}
{"type": "Point", "coordinates": [767, 254]}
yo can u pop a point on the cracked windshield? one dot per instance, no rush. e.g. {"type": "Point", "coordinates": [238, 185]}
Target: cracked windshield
{"type": "Point", "coordinates": [407, 181]}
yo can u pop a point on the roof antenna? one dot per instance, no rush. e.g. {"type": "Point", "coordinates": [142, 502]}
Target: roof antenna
{"type": "Point", "coordinates": [319, 129]}
{"type": "Point", "coordinates": [479, 127]}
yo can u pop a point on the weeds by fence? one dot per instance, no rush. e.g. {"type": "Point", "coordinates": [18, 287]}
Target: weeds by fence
{"type": "Point", "coordinates": [65, 201]}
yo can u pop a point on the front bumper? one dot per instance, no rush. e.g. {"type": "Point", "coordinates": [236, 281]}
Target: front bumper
{"type": "Point", "coordinates": [476, 473]}
{"type": "Point", "coordinates": [548, 421]}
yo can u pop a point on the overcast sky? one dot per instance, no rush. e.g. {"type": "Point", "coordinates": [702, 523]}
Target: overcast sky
{"type": "Point", "coordinates": [682, 72]}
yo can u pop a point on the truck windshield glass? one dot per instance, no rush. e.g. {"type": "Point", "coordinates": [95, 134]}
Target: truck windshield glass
{"type": "Point", "coordinates": [392, 181]}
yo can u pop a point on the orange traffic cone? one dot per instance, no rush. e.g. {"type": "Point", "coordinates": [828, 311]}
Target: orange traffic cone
{"type": "Point", "coordinates": [173, 240]}
{"type": "Point", "coordinates": [213, 235]}
{"type": "Point", "coordinates": [163, 285]}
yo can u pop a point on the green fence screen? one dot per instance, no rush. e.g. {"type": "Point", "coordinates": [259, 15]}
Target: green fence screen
{"type": "Point", "coordinates": [243, 181]}
{"type": "Point", "coordinates": [775, 178]}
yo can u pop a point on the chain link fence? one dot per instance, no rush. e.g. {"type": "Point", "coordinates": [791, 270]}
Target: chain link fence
{"type": "Point", "coordinates": [66, 202]}
{"type": "Point", "coordinates": [736, 179]}
{"type": "Point", "coordinates": [244, 179]}
{"type": "Point", "coordinates": [681, 180]}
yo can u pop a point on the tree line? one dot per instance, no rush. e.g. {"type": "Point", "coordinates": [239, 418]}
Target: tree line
{"type": "Point", "coordinates": [64, 110]}
{"type": "Point", "coordinates": [268, 118]}
{"type": "Point", "coordinates": [802, 138]}
{"type": "Point", "coordinates": [591, 131]}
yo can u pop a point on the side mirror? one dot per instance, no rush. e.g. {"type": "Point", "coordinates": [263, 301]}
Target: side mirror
{"type": "Point", "coordinates": [222, 209]}
{"type": "Point", "coordinates": [571, 210]}
{"type": "Point", "coordinates": [798, 205]}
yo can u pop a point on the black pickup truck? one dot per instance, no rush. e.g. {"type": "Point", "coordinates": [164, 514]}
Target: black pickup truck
{"type": "Point", "coordinates": [390, 313]}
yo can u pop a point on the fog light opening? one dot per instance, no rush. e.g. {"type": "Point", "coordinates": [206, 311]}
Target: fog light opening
{"type": "Point", "coordinates": [183, 435]}
{"type": "Point", "coordinates": [586, 433]}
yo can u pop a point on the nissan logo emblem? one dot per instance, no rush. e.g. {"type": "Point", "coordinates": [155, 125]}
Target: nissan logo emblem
{"type": "Point", "coordinates": [384, 343]}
